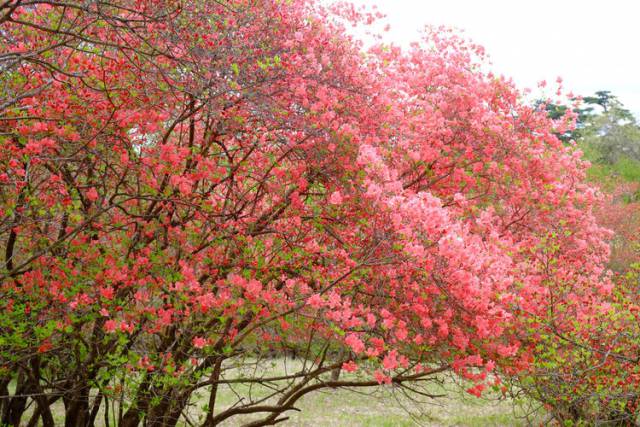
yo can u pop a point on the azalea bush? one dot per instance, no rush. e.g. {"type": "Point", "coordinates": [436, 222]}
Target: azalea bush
{"type": "Point", "coordinates": [585, 356]}
{"type": "Point", "coordinates": [187, 188]}
{"type": "Point", "coordinates": [588, 372]}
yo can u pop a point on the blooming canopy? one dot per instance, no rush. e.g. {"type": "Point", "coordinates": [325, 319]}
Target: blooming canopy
{"type": "Point", "coordinates": [186, 184]}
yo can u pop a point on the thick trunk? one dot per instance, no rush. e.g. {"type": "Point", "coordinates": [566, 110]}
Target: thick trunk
{"type": "Point", "coordinates": [43, 411]}
{"type": "Point", "coordinates": [15, 411]}
{"type": "Point", "coordinates": [79, 412]}
{"type": "Point", "coordinates": [77, 408]}
{"type": "Point", "coordinates": [4, 394]}
{"type": "Point", "coordinates": [43, 405]}
{"type": "Point", "coordinates": [14, 407]}
{"type": "Point", "coordinates": [168, 411]}
{"type": "Point", "coordinates": [95, 408]}
{"type": "Point", "coordinates": [158, 414]}
{"type": "Point", "coordinates": [176, 412]}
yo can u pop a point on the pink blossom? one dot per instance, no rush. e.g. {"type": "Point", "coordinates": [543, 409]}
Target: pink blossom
{"type": "Point", "coordinates": [199, 342]}
{"type": "Point", "coordinates": [315, 301]}
{"type": "Point", "coordinates": [390, 361]}
{"type": "Point", "coordinates": [92, 194]}
{"type": "Point", "coordinates": [354, 342]}
{"type": "Point", "coordinates": [335, 198]}
{"type": "Point", "coordinates": [381, 377]}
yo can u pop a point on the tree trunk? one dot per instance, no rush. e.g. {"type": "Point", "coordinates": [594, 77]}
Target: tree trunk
{"type": "Point", "coordinates": [215, 375]}
{"type": "Point", "coordinates": [15, 406]}
{"type": "Point", "coordinates": [77, 412]}
{"type": "Point", "coordinates": [132, 417]}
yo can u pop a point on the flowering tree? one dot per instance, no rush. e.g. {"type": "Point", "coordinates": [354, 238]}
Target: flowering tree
{"type": "Point", "coordinates": [586, 371]}
{"type": "Point", "coordinates": [187, 187]}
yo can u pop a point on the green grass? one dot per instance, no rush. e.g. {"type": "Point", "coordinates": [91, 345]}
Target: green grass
{"type": "Point", "coordinates": [387, 406]}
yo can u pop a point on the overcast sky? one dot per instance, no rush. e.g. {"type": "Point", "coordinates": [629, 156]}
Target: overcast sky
{"type": "Point", "coordinates": [593, 45]}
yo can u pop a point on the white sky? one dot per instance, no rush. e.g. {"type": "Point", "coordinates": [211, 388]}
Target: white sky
{"type": "Point", "coordinates": [592, 44]}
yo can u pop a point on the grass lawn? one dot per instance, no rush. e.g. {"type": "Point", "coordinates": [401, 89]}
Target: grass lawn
{"type": "Point", "coordinates": [387, 406]}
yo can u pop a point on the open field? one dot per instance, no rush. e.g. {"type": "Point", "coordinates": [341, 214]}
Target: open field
{"type": "Point", "coordinates": [392, 406]}
{"type": "Point", "coordinates": [388, 406]}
